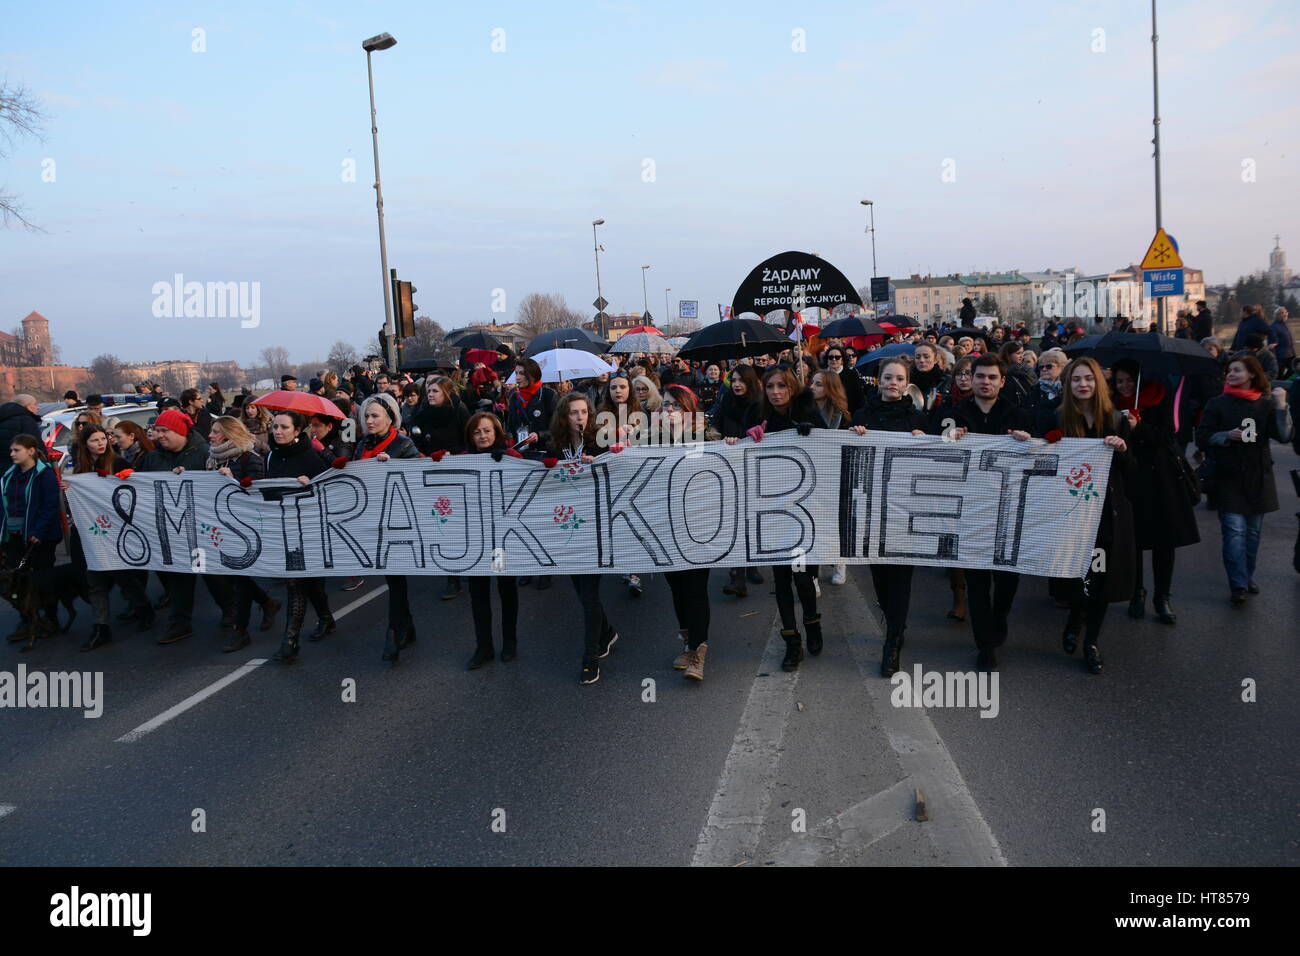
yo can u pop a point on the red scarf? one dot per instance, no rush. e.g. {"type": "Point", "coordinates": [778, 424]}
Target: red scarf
{"type": "Point", "coordinates": [526, 394]}
{"type": "Point", "coordinates": [1249, 394]}
{"type": "Point", "coordinates": [1152, 394]}
{"type": "Point", "coordinates": [372, 452]}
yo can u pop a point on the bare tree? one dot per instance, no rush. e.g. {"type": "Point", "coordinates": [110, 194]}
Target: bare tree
{"type": "Point", "coordinates": [540, 313]}
{"type": "Point", "coordinates": [429, 336]}
{"type": "Point", "coordinates": [20, 115]}
{"type": "Point", "coordinates": [275, 360]}
{"type": "Point", "coordinates": [680, 326]}
{"type": "Point", "coordinates": [104, 374]}
{"type": "Point", "coordinates": [343, 356]}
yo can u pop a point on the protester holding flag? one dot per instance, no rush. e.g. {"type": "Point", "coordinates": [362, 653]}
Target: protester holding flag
{"type": "Point", "coordinates": [891, 410]}
{"type": "Point", "coordinates": [572, 435]}
{"type": "Point", "coordinates": [1087, 412]}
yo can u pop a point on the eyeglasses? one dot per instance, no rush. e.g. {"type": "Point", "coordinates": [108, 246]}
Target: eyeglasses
{"type": "Point", "coordinates": [835, 358]}
{"type": "Point", "coordinates": [668, 405]}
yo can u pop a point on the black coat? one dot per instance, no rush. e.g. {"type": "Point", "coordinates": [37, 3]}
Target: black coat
{"type": "Point", "coordinates": [532, 417]}
{"type": "Point", "coordinates": [399, 447]}
{"type": "Point", "coordinates": [294, 460]}
{"type": "Point", "coordinates": [899, 416]}
{"type": "Point", "coordinates": [800, 411]}
{"type": "Point", "coordinates": [16, 420]}
{"type": "Point", "coordinates": [732, 415]}
{"type": "Point", "coordinates": [854, 390]}
{"type": "Point", "coordinates": [441, 427]}
{"type": "Point", "coordinates": [1242, 481]}
{"type": "Point", "coordinates": [1003, 417]}
{"type": "Point", "coordinates": [1163, 513]}
{"type": "Point", "coordinates": [193, 456]}
{"type": "Point", "coordinates": [1115, 532]}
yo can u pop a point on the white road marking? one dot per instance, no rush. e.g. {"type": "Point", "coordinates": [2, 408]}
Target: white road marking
{"type": "Point", "coordinates": [243, 671]}
{"type": "Point", "coordinates": [858, 827]}
{"type": "Point", "coordinates": [6, 809]}
{"type": "Point", "coordinates": [735, 821]}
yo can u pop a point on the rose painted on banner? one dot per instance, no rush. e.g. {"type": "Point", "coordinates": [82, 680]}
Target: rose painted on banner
{"type": "Point", "coordinates": [1079, 476]}
{"type": "Point", "coordinates": [213, 532]}
{"type": "Point", "coordinates": [443, 509]}
{"type": "Point", "coordinates": [100, 525]}
{"type": "Point", "coordinates": [568, 520]}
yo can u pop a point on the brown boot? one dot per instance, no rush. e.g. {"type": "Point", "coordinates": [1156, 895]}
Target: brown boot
{"type": "Point", "coordinates": [695, 662]}
{"type": "Point", "coordinates": [682, 660]}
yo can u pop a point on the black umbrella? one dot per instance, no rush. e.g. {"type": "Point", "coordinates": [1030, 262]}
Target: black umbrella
{"type": "Point", "coordinates": [850, 327]}
{"type": "Point", "coordinates": [1154, 354]}
{"type": "Point", "coordinates": [889, 351]}
{"type": "Point", "coordinates": [1084, 345]}
{"type": "Point", "coordinates": [901, 321]}
{"type": "Point", "coordinates": [570, 338]}
{"type": "Point", "coordinates": [467, 339]}
{"type": "Point", "coordinates": [735, 338]}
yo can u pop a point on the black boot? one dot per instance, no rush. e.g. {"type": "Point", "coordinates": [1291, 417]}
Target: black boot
{"type": "Point", "coordinates": [292, 627]}
{"type": "Point", "coordinates": [1073, 627]}
{"type": "Point", "coordinates": [99, 636]}
{"type": "Point", "coordinates": [1164, 611]}
{"type": "Point", "coordinates": [889, 659]}
{"type": "Point", "coordinates": [398, 636]}
{"type": "Point", "coordinates": [509, 648]}
{"type": "Point", "coordinates": [753, 576]}
{"type": "Point", "coordinates": [324, 627]}
{"type": "Point", "coordinates": [813, 629]}
{"type": "Point", "coordinates": [451, 589]}
{"type": "Point", "coordinates": [145, 619]}
{"type": "Point", "coordinates": [1137, 607]}
{"type": "Point", "coordinates": [736, 583]}
{"type": "Point", "coordinates": [1092, 658]}
{"type": "Point", "coordinates": [269, 607]}
{"type": "Point", "coordinates": [239, 640]}
{"type": "Point", "coordinates": [482, 654]}
{"type": "Point", "coordinates": [793, 650]}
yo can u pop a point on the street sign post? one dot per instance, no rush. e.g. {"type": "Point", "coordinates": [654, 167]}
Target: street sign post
{"type": "Point", "coordinates": [1160, 282]}
{"type": "Point", "coordinates": [880, 289]}
{"type": "Point", "coordinates": [1162, 272]}
{"type": "Point", "coordinates": [688, 309]}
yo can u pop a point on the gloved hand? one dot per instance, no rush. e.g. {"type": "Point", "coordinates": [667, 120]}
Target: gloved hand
{"type": "Point", "coordinates": [339, 462]}
{"type": "Point", "coordinates": [437, 455]}
{"type": "Point", "coordinates": [125, 473]}
{"type": "Point", "coordinates": [617, 447]}
{"type": "Point", "coordinates": [497, 454]}
{"type": "Point", "coordinates": [245, 481]}
{"type": "Point", "coordinates": [758, 431]}
{"type": "Point", "coordinates": [102, 472]}
{"type": "Point", "coordinates": [804, 429]}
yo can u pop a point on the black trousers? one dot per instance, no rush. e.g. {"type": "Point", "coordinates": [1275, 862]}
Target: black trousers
{"type": "Point", "coordinates": [480, 600]}
{"type": "Point", "coordinates": [304, 591]}
{"type": "Point", "coordinates": [990, 595]}
{"type": "Point", "coordinates": [787, 582]}
{"type": "Point", "coordinates": [1094, 605]}
{"type": "Point", "coordinates": [595, 625]}
{"type": "Point", "coordinates": [399, 600]}
{"type": "Point", "coordinates": [247, 592]}
{"type": "Point", "coordinates": [1162, 570]}
{"type": "Point", "coordinates": [691, 603]}
{"type": "Point", "coordinates": [133, 584]}
{"type": "Point", "coordinates": [40, 562]}
{"type": "Point", "coordinates": [893, 584]}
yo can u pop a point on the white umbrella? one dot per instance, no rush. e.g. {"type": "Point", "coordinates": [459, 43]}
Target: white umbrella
{"type": "Point", "coordinates": [677, 341]}
{"type": "Point", "coordinates": [565, 365]}
{"type": "Point", "coordinates": [642, 342]}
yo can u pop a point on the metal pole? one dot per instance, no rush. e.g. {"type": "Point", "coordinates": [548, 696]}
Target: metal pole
{"type": "Point", "coordinates": [667, 315]}
{"type": "Point", "coordinates": [872, 207]}
{"type": "Point", "coordinates": [1155, 124]}
{"type": "Point", "coordinates": [390, 360]}
{"type": "Point", "coordinates": [595, 247]}
{"type": "Point", "coordinates": [645, 300]}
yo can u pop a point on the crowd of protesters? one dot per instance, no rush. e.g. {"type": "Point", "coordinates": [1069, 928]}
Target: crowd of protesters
{"type": "Point", "coordinates": [955, 381]}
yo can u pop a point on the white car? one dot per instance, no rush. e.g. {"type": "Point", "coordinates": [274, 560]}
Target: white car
{"type": "Point", "coordinates": [56, 429]}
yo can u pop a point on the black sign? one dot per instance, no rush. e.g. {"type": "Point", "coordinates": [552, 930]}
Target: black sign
{"type": "Point", "coordinates": [771, 285]}
{"type": "Point", "coordinates": [880, 289]}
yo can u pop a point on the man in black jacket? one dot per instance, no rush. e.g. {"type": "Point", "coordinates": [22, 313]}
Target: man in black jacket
{"type": "Point", "coordinates": [181, 448]}
{"type": "Point", "coordinates": [990, 593]}
{"type": "Point", "coordinates": [19, 418]}
{"type": "Point", "coordinates": [1202, 322]}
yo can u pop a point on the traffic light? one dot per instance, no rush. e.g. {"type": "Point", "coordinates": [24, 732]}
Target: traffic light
{"type": "Point", "coordinates": [404, 308]}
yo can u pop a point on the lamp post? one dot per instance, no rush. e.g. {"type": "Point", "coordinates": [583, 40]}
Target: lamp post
{"type": "Point", "coordinates": [871, 206]}
{"type": "Point", "coordinates": [645, 298]}
{"type": "Point", "coordinates": [1155, 141]}
{"type": "Point", "coordinates": [383, 41]}
{"type": "Point", "coordinates": [604, 323]}
{"type": "Point", "coordinates": [667, 314]}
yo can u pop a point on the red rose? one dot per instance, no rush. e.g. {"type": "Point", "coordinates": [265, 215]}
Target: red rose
{"type": "Point", "coordinates": [1079, 476]}
{"type": "Point", "coordinates": [102, 472]}
{"type": "Point", "coordinates": [1054, 436]}
{"type": "Point", "coordinates": [338, 462]}
{"type": "Point", "coordinates": [125, 473]}
{"type": "Point", "coordinates": [550, 462]}
{"type": "Point", "coordinates": [437, 455]}
{"type": "Point", "coordinates": [245, 481]}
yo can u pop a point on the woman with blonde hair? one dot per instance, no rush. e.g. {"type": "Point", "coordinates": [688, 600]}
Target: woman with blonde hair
{"type": "Point", "coordinates": [647, 393]}
{"type": "Point", "coordinates": [1087, 412]}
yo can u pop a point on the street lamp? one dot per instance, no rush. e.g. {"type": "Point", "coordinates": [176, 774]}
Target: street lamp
{"type": "Point", "coordinates": [603, 323]}
{"type": "Point", "coordinates": [667, 313]}
{"type": "Point", "coordinates": [383, 41]}
{"type": "Point", "coordinates": [872, 208]}
{"type": "Point", "coordinates": [645, 299]}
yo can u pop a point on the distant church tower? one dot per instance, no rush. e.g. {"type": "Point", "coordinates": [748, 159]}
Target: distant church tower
{"type": "Point", "coordinates": [1278, 273]}
{"type": "Point", "coordinates": [36, 338]}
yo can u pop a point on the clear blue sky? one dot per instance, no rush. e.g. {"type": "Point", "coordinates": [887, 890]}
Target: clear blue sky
{"type": "Point", "coordinates": [226, 165]}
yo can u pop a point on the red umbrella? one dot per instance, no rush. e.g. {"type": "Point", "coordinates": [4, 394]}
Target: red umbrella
{"type": "Point", "coordinates": [647, 329]}
{"type": "Point", "coordinates": [303, 402]}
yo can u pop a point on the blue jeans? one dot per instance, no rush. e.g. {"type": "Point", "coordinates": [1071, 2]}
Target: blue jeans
{"type": "Point", "coordinates": [1240, 546]}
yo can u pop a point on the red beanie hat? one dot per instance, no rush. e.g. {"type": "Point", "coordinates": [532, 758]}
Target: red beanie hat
{"type": "Point", "coordinates": [174, 419]}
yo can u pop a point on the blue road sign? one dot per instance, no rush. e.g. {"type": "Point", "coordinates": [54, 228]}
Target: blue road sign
{"type": "Point", "coordinates": [1158, 282]}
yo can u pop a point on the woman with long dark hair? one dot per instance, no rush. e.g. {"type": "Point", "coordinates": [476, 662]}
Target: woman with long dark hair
{"type": "Point", "coordinates": [1163, 518]}
{"type": "Point", "coordinates": [95, 453]}
{"type": "Point", "coordinates": [484, 435]}
{"type": "Point", "coordinates": [573, 438]}
{"type": "Point", "coordinates": [216, 404]}
{"type": "Point", "coordinates": [1087, 412]}
{"type": "Point", "coordinates": [233, 452]}
{"type": "Point", "coordinates": [292, 456]}
{"type": "Point", "coordinates": [29, 489]}
{"type": "Point", "coordinates": [891, 410]}
{"type": "Point", "coordinates": [785, 406]}
{"type": "Point", "coordinates": [257, 419]}
{"type": "Point", "coordinates": [942, 418]}
{"type": "Point", "coordinates": [1234, 433]}
{"type": "Point", "coordinates": [621, 418]}
{"type": "Point", "coordinates": [131, 441]}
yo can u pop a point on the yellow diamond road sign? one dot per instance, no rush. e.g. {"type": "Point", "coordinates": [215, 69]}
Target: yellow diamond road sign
{"type": "Point", "coordinates": [1162, 254]}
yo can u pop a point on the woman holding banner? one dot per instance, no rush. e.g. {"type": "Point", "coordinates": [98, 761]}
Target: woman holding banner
{"type": "Point", "coordinates": [891, 410]}
{"type": "Point", "coordinates": [484, 435]}
{"type": "Point", "coordinates": [621, 417]}
{"type": "Point", "coordinates": [382, 418]}
{"type": "Point", "coordinates": [1086, 412]}
{"type": "Point", "coordinates": [943, 417]}
{"type": "Point", "coordinates": [438, 425]}
{"type": "Point", "coordinates": [292, 456]}
{"type": "Point", "coordinates": [529, 412]}
{"type": "Point", "coordinates": [731, 418]}
{"type": "Point", "coordinates": [784, 406]}
{"type": "Point", "coordinates": [573, 439]}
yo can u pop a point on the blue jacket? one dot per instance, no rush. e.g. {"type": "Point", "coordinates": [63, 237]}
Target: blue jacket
{"type": "Point", "coordinates": [42, 518]}
{"type": "Point", "coordinates": [1255, 323]}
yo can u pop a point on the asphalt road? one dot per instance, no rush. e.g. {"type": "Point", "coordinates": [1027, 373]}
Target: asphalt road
{"type": "Point", "coordinates": [752, 767]}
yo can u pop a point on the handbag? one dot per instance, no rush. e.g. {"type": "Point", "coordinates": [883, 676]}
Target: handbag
{"type": "Point", "coordinates": [1192, 482]}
